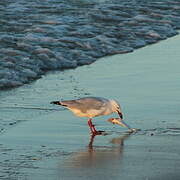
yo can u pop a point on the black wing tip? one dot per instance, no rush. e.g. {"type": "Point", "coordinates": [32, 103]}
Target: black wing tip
{"type": "Point", "coordinates": [55, 102]}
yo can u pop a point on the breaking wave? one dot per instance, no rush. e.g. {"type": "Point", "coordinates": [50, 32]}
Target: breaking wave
{"type": "Point", "coordinates": [38, 36]}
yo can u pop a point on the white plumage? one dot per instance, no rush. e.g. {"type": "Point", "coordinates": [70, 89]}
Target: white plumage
{"type": "Point", "coordinates": [94, 106]}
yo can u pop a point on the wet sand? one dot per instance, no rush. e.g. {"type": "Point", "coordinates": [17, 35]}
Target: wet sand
{"type": "Point", "coordinates": [41, 141]}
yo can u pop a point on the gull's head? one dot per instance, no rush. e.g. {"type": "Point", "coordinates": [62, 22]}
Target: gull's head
{"type": "Point", "coordinates": [116, 108]}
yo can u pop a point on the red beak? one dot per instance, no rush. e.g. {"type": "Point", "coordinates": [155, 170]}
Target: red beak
{"type": "Point", "coordinates": [120, 114]}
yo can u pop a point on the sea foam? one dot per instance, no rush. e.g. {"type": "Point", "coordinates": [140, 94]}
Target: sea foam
{"type": "Point", "coordinates": [38, 36]}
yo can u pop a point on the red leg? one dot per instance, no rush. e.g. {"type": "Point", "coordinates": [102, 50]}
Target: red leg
{"type": "Point", "coordinates": [92, 127]}
{"type": "Point", "coordinates": [91, 142]}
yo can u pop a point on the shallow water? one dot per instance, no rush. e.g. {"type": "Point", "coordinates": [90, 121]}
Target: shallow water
{"type": "Point", "coordinates": [38, 36]}
{"type": "Point", "coordinates": [50, 142]}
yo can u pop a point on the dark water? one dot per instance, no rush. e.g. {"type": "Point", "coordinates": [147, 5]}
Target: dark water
{"type": "Point", "coordinates": [37, 36]}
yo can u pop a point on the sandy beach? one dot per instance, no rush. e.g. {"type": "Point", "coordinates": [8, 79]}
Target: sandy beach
{"type": "Point", "coordinates": [40, 141]}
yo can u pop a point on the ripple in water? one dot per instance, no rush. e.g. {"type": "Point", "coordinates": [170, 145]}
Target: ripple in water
{"type": "Point", "coordinates": [160, 131]}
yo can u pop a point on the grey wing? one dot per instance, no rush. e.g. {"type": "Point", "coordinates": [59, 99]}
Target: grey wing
{"type": "Point", "coordinates": [89, 103]}
{"type": "Point", "coordinates": [70, 103]}
{"type": "Point", "coordinates": [86, 103]}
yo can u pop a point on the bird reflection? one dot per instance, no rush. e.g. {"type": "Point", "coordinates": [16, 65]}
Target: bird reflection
{"type": "Point", "coordinates": [96, 161]}
{"type": "Point", "coordinates": [100, 156]}
{"type": "Point", "coordinates": [117, 140]}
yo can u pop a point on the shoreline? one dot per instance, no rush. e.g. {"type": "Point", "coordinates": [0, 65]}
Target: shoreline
{"type": "Point", "coordinates": [55, 144]}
